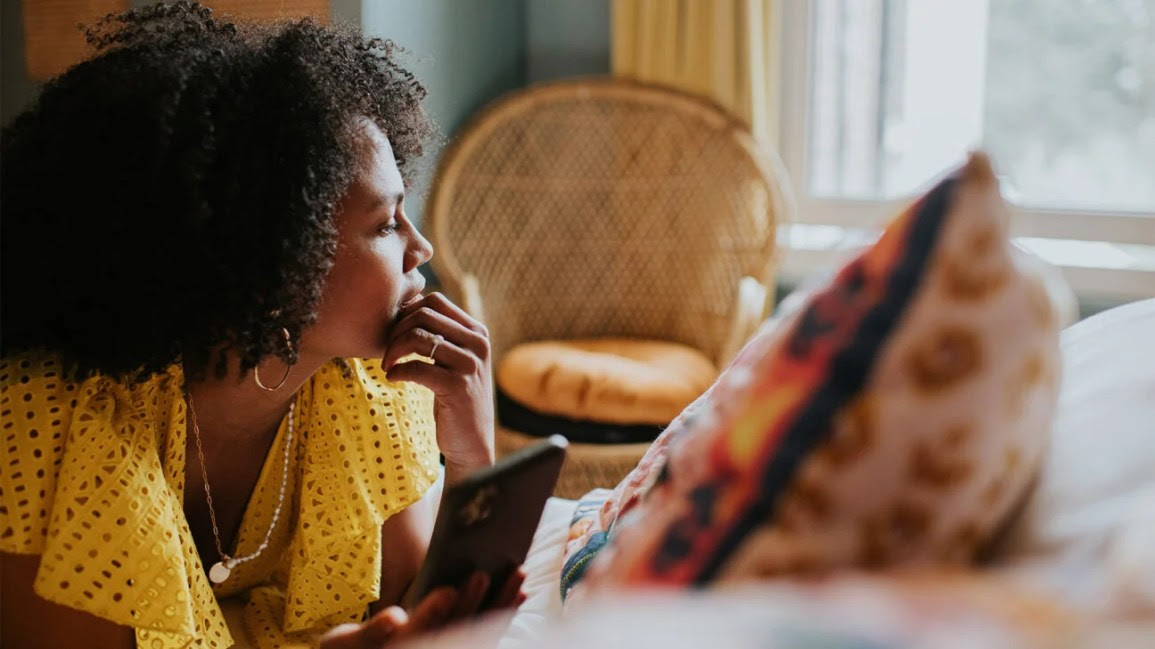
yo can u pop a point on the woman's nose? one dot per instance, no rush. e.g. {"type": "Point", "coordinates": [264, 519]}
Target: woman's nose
{"type": "Point", "coordinates": [420, 250]}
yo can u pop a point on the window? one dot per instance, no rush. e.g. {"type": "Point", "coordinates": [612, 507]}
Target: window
{"type": "Point", "coordinates": [882, 96]}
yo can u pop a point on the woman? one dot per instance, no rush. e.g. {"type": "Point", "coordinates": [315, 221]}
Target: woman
{"type": "Point", "coordinates": [203, 234]}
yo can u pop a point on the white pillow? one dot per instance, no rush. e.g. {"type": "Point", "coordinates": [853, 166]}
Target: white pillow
{"type": "Point", "coordinates": [1087, 533]}
{"type": "Point", "coordinates": [542, 577]}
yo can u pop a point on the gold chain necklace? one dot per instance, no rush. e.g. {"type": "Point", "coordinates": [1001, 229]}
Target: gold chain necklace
{"type": "Point", "coordinates": [221, 569]}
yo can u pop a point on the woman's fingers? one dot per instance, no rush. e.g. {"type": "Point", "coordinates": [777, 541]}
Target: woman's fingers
{"type": "Point", "coordinates": [433, 612]}
{"type": "Point", "coordinates": [439, 380]}
{"type": "Point", "coordinates": [441, 304]}
{"type": "Point", "coordinates": [384, 626]}
{"type": "Point", "coordinates": [436, 314]}
{"type": "Point", "coordinates": [510, 593]}
{"type": "Point", "coordinates": [346, 636]}
{"type": "Point", "coordinates": [441, 348]}
{"type": "Point", "coordinates": [471, 596]}
{"type": "Point", "coordinates": [372, 634]}
{"type": "Point", "coordinates": [435, 328]}
{"type": "Point", "coordinates": [438, 609]}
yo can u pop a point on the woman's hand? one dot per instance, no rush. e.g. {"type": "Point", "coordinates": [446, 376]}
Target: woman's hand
{"type": "Point", "coordinates": [459, 377]}
{"type": "Point", "coordinates": [440, 608]}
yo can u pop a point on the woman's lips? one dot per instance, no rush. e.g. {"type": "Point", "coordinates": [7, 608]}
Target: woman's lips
{"type": "Point", "coordinates": [414, 294]}
{"type": "Point", "coordinates": [412, 299]}
{"type": "Point", "coordinates": [408, 302]}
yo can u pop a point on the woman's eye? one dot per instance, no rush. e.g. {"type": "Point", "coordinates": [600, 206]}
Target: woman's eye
{"type": "Point", "coordinates": [388, 228]}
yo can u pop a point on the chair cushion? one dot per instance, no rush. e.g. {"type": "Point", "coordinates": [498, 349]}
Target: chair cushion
{"type": "Point", "coordinates": [519, 423]}
{"type": "Point", "coordinates": [894, 420]}
{"type": "Point", "coordinates": [616, 381]}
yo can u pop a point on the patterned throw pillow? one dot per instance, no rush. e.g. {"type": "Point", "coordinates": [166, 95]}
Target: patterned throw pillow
{"type": "Point", "coordinates": [895, 420]}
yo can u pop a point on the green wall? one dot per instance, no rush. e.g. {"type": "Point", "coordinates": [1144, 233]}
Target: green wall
{"type": "Point", "coordinates": [567, 38]}
{"type": "Point", "coordinates": [16, 89]}
{"type": "Point", "coordinates": [465, 53]}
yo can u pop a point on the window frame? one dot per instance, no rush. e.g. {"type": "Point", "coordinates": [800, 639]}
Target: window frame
{"type": "Point", "coordinates": [795, 53]}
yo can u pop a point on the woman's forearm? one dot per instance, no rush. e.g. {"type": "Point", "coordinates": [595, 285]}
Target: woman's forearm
{"type": "Point", "coordinates": [405, 536]}
{"type": "Point", "coordinates": [404, 543]}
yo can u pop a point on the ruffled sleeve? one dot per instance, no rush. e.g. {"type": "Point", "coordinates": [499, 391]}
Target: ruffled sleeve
{"type": "Point", "coordinates": [371, 451]}
{"type": "Point", "coordinates": [36, 410]}
{"type": "Point", "coordinates": [83, 486]}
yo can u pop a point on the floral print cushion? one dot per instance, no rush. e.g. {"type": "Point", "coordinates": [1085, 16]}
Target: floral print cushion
{"type": "Point", "coordinates": [895, 420]}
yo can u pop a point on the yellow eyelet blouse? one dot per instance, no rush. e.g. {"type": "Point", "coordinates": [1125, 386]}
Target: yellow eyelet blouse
{"type": "Point", "coordinates": [92, 479]}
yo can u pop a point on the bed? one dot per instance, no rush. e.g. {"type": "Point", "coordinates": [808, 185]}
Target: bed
{"type": "Point", "coordinates": [1075, 568]}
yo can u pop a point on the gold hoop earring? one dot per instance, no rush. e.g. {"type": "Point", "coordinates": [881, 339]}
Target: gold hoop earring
{"type": "Point", "coordinates": [288, 367]}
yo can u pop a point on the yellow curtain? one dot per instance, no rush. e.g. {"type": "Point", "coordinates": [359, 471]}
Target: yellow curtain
{"type": "Point", "coordinates": [721, 49]}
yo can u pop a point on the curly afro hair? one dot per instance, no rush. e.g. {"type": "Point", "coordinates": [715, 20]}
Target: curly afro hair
{"type": "Point", "coordinates": [175, 194]}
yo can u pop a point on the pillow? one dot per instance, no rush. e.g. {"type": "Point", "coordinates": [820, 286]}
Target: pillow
{"type": "Point", "coordinates": [1088, 530]}
{"type": "Point", "coordinates": [542, 567]}
{"type": "Point", "coordinates": [621, 382]}
{"type": "Point", "coordinates": [895, 420]}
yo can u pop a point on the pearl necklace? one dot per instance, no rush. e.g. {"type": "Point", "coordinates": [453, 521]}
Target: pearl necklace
{"type": "Point", "coordinates": [221, 569]}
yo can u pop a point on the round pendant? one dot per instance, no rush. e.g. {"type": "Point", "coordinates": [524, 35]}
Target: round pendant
{"type": "Point", "coordinates": [219, 573]}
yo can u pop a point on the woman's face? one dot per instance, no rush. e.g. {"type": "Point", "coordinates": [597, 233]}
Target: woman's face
{"type": "Point", "coordinates": [375, 269]}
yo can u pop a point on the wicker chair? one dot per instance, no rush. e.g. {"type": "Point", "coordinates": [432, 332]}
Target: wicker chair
{"type": "Point", "coordinates": [593, 208]}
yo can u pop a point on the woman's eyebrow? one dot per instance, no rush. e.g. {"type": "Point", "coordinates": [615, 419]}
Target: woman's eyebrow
{"type": "Point", "coordinates": [391, 199]}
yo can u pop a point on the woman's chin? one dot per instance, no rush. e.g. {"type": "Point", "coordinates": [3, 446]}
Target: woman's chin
{"type": "Point", "coordinates": [374, 351]}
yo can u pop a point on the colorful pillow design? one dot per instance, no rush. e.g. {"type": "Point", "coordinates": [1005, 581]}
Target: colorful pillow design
{"type": "Point", "coordinates": [894, 420]}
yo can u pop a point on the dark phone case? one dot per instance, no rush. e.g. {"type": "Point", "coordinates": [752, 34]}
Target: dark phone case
{"type": "Point", "coordinates": [487, 521]}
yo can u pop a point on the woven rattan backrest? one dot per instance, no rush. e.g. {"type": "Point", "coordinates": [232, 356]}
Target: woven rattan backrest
{"type": "Point", "coordinates": [605, 208]}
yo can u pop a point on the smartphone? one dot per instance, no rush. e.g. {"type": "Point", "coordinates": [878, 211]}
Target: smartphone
{"type": "Point", "coordinates": [487, 521]}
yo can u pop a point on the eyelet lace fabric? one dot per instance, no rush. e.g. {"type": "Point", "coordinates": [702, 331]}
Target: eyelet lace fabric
{"type": "Point", "coordinates": [92, 480]}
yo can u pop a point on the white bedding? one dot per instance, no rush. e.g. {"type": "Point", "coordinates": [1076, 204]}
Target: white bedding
{"type": "Point", "coordinates": [543, 576]}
